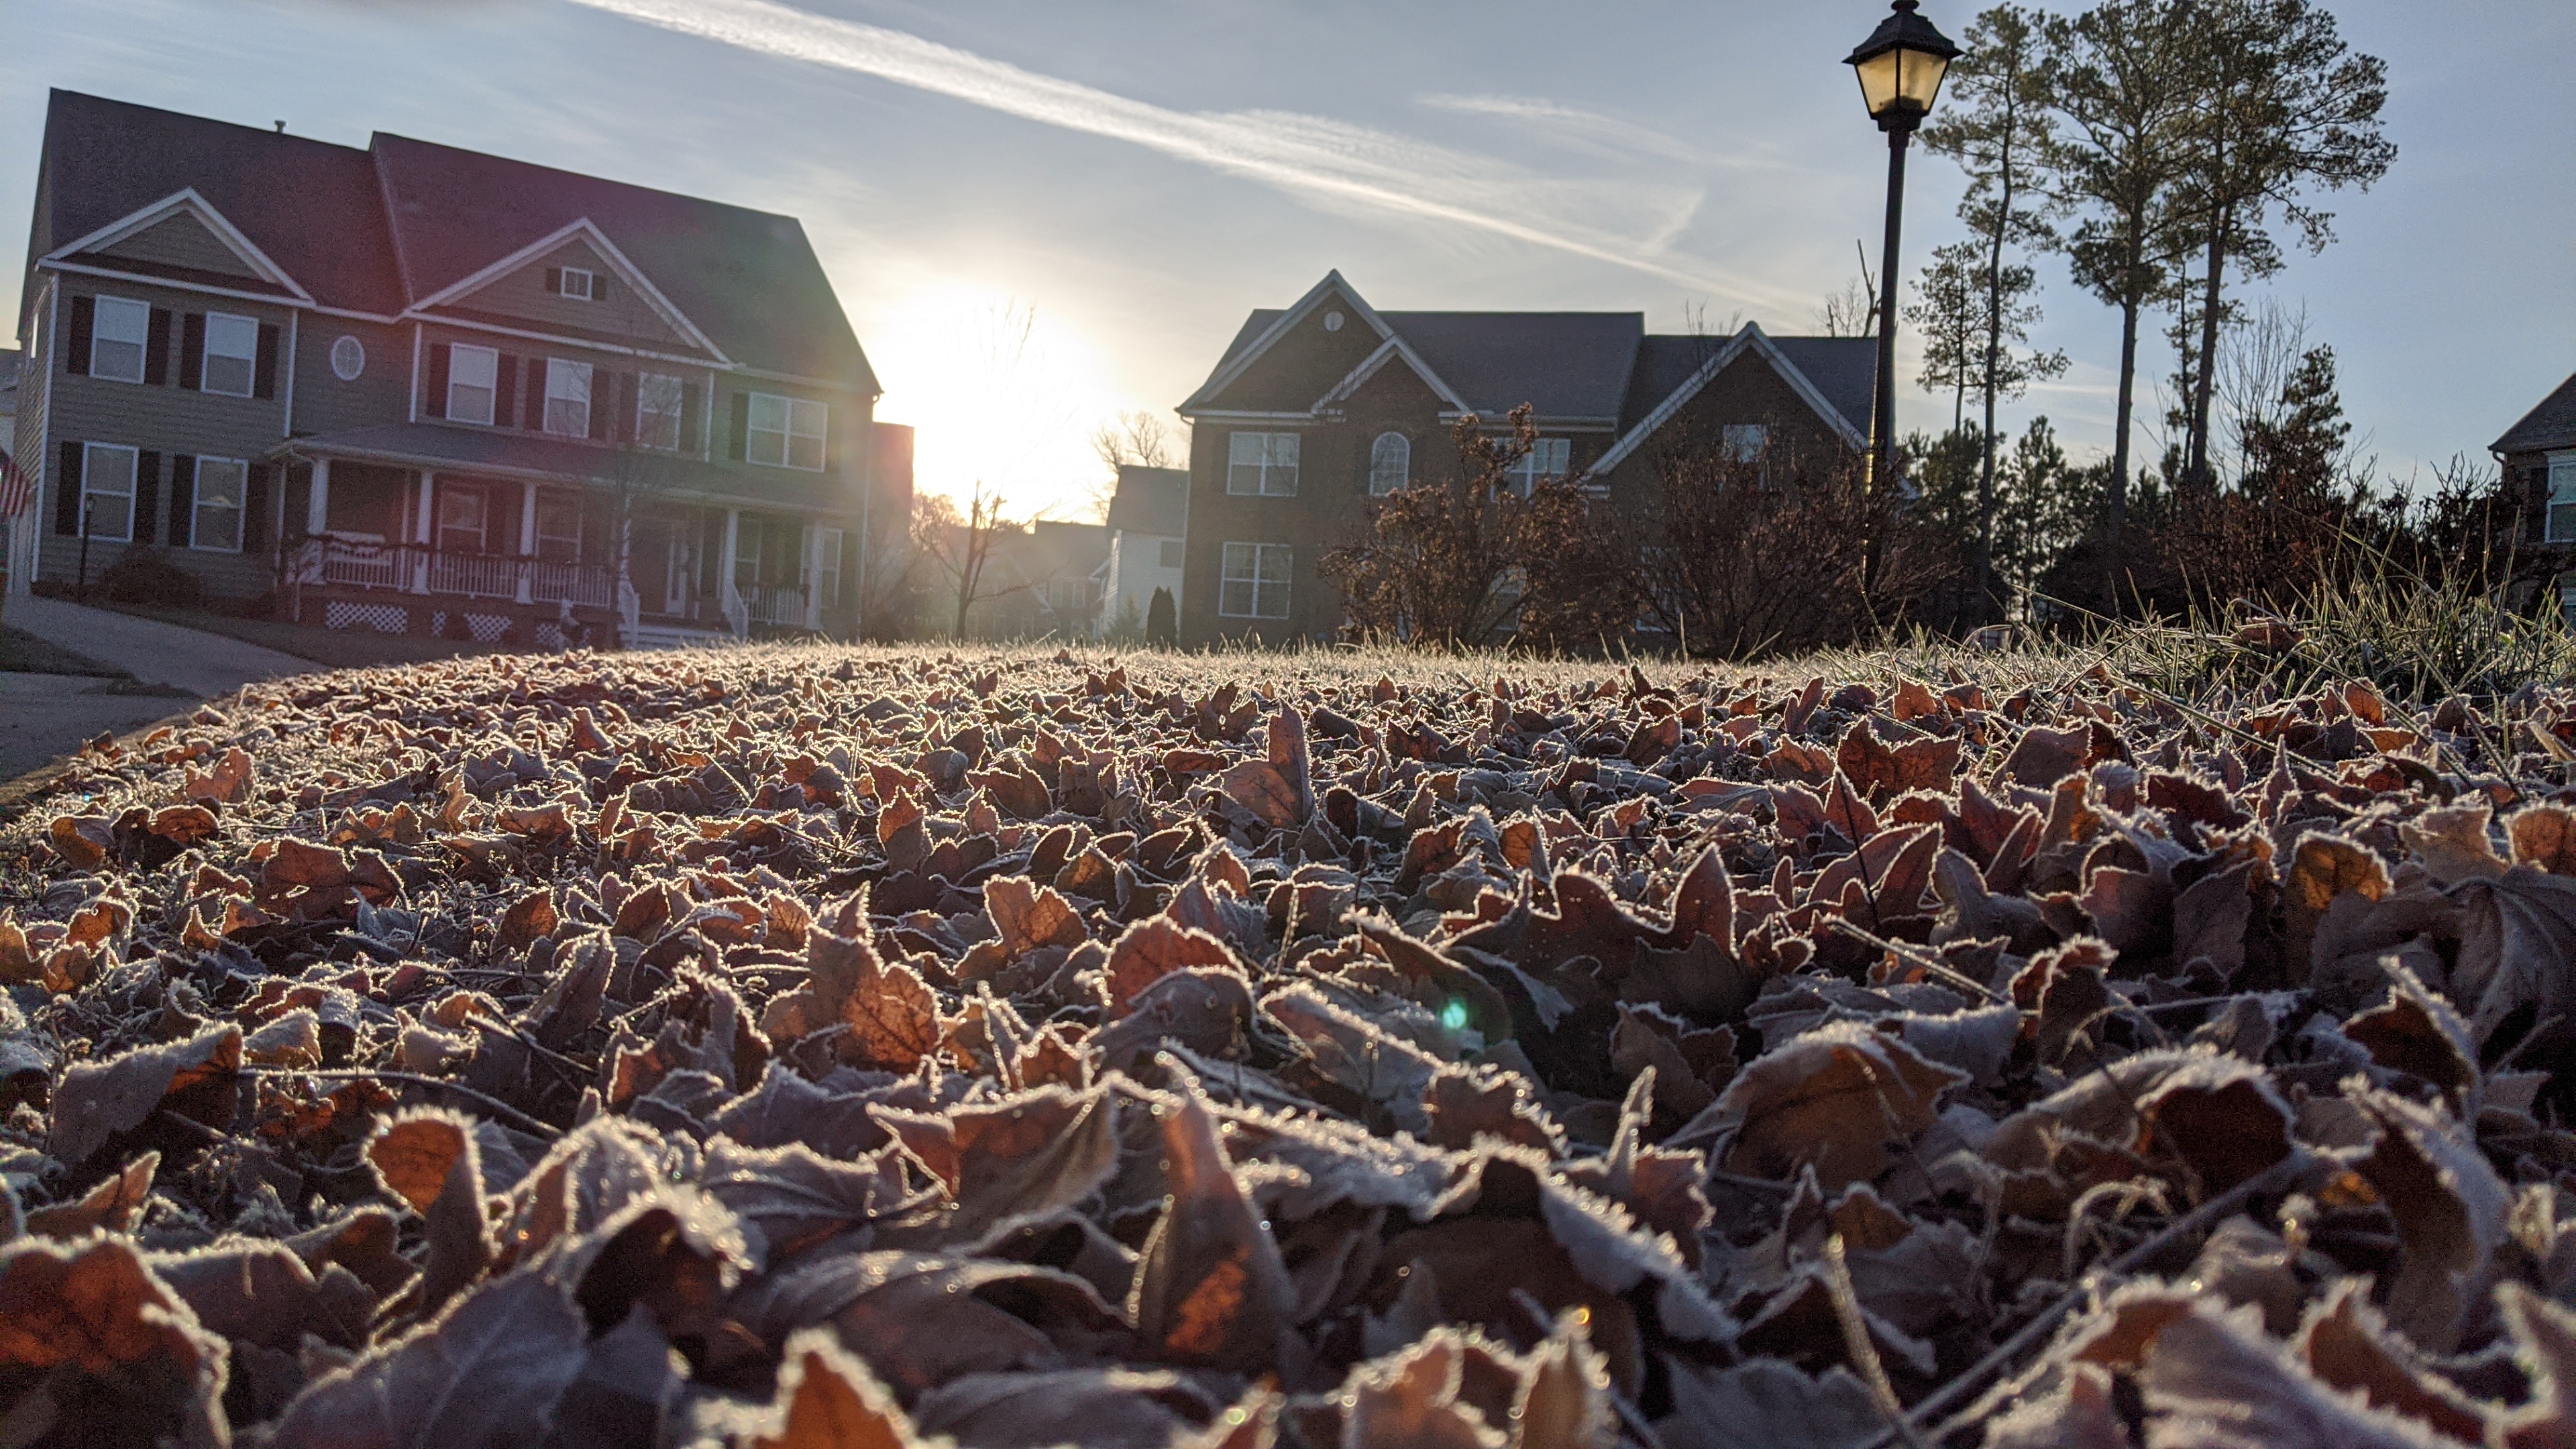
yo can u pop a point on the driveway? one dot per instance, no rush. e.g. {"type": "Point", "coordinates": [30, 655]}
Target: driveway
{"type": "Point", "coordinates": [44, 717]}
{"type": "Point", "coordinates": [205, 665]}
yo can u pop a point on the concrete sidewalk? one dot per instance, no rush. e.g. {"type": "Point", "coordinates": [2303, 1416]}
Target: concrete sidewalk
{"type": "Point", "coordinates": [203, 664]}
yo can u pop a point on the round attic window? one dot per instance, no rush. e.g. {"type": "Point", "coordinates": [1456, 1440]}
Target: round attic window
{"type": "Point", "coordinates": [1332, 321]}
{"type": "Point", "coordinates": [348, 358]}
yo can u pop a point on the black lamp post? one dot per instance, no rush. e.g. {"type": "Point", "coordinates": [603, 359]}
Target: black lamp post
{"type": "Point", "coordinates": [1900, 68]}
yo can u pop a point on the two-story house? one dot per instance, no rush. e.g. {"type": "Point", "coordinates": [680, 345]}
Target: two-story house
{"type": "Point", "coordinates": [1317, 408]}
{"type": "Point", "coordinates": [420, 389]}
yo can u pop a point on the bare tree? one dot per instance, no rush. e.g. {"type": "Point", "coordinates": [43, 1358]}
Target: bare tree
{"type": "Point", "coordinates": [962, 547]}
{"type": "Point", "coordinates": [1853, 311]}
{"type": "Point", "coordinates": [1134, 438]}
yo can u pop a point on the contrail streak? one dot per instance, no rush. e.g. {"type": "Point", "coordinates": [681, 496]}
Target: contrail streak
{"type": "Point", "coordinates": [1318, 158]}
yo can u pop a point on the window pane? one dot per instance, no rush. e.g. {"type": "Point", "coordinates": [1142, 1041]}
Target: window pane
{"type": "Point", "coordinates": [568, 397]}
{"type": "Point", "coordinates": [1274, 563]}
{"type": "Point", "coordinates": [1235, 599]}
{"type": "Point", "coordinates": [1744, 441]}
{"type": "Point", "coordinates": [805, 452]}
{"type": "Point", "coordinates": [657, 411]}
{"type": "Point", "coordinates": [117, 330]}
{"type": "Point", "coordinates": [217, 524]}
{"type": "Point", "coordinates": [1167, 554]}
{"type": "Point", "coordinates": [231, 342]}
{"type": "Point", "coordinates": [470, 377]}
{"type": "Point", "coordinates": [768, 413]}
{"type": "Point", "coordinates": [1390, 464]}
{"type": "Point", "coordinates": [107, 488]}
{"type": "Point", "coordinates": [2562, 523]}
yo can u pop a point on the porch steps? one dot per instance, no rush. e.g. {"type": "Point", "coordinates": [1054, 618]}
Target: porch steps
{"type": "Point", "coordinates": [671, 636]}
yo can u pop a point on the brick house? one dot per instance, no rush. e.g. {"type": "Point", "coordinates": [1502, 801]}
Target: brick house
{"type": "Point", "coordinates": [2538, 455]}
{"type": "Point", "coordinates": [1317, 408]}
{"type": "Point", "coordinates": [420, 389]}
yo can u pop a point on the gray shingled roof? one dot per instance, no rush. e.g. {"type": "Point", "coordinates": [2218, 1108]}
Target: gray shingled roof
{"type": "Point", "coordinates": [329, 216]}
{"type": "Point", "coordinates": [1842, 368]}
{"type": "Point", "coordinates": [1588, 364]}
{"type": "Point", "coordinates": [1150, 501]}
{"type": "Point", "coordinates": [1563, 364]}
{"type": "Point", "coordinates": [2550, 425]}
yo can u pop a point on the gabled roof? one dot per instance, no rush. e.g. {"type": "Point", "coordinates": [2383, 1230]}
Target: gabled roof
{"type": "Point", "coordinates": [1751, 342]}
{"type": "Point", "coordinates": [1151, 501]}
{"type": "Point", "coordinates": [582, 229]}
{"type": "Point", "coordinates": [2550, 425]}
{"type": "Point", "coordinates": [1570, 367]}
{"type": "Point", "coordinates": [386, 229]}
{"type": "Point", "coordinates": [309, 206]}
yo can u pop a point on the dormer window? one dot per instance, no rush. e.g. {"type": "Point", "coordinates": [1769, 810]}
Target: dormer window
{"type": "Point", "coordinates": [577, 282]}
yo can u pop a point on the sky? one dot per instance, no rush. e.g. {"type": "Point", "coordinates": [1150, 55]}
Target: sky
{"type": "Point", "coordinates": [1038, 215]}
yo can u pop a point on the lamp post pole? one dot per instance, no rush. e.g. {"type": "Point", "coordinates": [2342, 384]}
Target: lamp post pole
{"type": "Point", "coordinates": [1900, 68]}
{"type": "Point", "coordinates": [1881, 473]}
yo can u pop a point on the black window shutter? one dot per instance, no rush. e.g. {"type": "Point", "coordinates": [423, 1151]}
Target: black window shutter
{"type": "Point", "coordinates": [554, 279]}
{"type": "Point", "coordinates": [599, 286]}
{"type": "Point", "coordinates": [156, 348]}
{"type": "Point", "coordinates": [435, 404]}
{"type": "Point", "coordinates": [536, 412]}
{"type": "Point", "coordinates": [192, 351]}
{"type": "Point", "coordinates": [67, 485]}
{"type": "Point", "coordinates": [737, 447]}
{"type": "Point", "coordinates": [255, 509]}
{"type": "Point", "coordinates": [603, 401]}
{"type": "Point", "coordinates": [183, 501]}
{"type": "Point", "coordinates": [84, 318]}
{"type": "Point", "coordinates": [147, 497]}
{"type": "Point", "coordinates": [629, 408]}
{"type": "Point", "coordinates": [264, 374]}
{"type": "Point", "coordinates": [505, 391]}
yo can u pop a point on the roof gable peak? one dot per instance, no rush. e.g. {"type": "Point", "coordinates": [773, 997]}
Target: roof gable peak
{"type": "Point", "coordinates": [584, 230]}
{"type": "Point", "coordinates": [184, 202]}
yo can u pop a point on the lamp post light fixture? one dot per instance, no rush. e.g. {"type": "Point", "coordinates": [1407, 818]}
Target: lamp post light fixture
{"type": "Point", "coordinates": [1900, 68]}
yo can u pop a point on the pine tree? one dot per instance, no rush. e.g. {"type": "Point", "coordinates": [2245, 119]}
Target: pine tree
{"type": "Point", "coordinates": [2118, 80]}
{"type": "Point", "coordinates": [2281, 106]}
{"type": "Point", "coordinates": [1997, 128]}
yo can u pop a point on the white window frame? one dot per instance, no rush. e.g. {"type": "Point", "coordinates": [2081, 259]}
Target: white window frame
{"type": "Point", "coordinates": [1251, 566]}
{"type": "Point", "coordinates": [90, 453]}
{"type": "Point", "coordinates": [1547, 458]}
{"type": "Point", "coordinates": [568, 387]}
{"type": "Point", "coordinates": [243, 327]}
{"type": "Point", "coordinates": [198, 507]}
{"type": "Point", "coordinates": [1744, 442]}
{"type": "Point", "coordinates": [1168, 553]}
{"type": "Point", "coordinates": [1272, 461]}
{"type": "Point", "coordinates": [348, 357]}
{"type": "Point", "coordinates": [100, 309]}
{"type": "Point", "coordinates": [558, 503]}
{"type": "Point", "coordinates": [490, 386]}
{"type": "Point", "coordinates": [789, 421]}
{"type": "Point", "coordinates": [589, 283]}
{"type": "Point", "coordinates": [827, 565]}
{"type": "Point", "coordinates": [2562, 495]}
{"type": "Point", "coordinates": [645, 383]}
{"type": "Point", "coordinates": [1390, 464]}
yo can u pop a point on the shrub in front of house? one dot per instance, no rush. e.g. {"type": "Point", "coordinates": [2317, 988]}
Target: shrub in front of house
{"type": "Point", "coordinates": [149, 578]}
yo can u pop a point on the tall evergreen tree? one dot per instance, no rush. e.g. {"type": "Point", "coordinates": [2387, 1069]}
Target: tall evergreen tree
{"type": "Point", "coordinates": [2282, 107]}
{"type": "Point", "coordinates": [2120, 84]}
{"type": "Point", "coordinates": [1945, 313]}
{"type": "Point", "coordinates": [1997, 128]}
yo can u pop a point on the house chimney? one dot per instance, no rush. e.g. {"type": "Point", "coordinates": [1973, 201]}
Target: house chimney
{"type": "Point", "coordinates": [281, 127]}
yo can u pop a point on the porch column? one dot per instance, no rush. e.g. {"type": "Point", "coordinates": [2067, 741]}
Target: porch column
{"type": "Point", "coordinates": [527, 541]}
{"type": "Point", "coordinates": [728, 590]}
{"type": "Point", "coordinates": [813, 577]}
{"type": "Point", "coordinates": [317, 505]}
{"type": "Point", "coordinates": [425, 531]}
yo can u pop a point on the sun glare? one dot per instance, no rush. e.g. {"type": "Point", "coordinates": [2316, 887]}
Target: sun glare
{"type": "Point", "coordinates": [998, 391]}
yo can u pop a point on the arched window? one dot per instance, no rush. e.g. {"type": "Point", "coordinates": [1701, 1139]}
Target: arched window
{"type": "Point", "coordinates": [1390, 464]}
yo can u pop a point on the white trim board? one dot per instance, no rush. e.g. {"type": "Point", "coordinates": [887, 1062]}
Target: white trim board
{"type": "Point", "coordinates": [187, 201]}
{"type": "Point", "coordinates": [583, 229]}
{"type": "Point", "coordinates": [1286, 322]}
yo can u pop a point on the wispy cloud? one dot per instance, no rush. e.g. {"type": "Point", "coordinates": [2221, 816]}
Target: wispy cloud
{"type": "Point", "coordinates": [1317, 159]}
{"type": "Point", "coordinates": [1564, 122]}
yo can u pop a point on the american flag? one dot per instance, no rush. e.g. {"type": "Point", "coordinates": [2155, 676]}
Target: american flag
{"type": "Point", "coordinates": [16, 488]}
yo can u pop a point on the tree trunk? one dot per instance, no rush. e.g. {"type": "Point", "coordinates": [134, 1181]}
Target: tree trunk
{"type": "Point", "coordinates": [1994, 356]}
{"type": "Point", "coordinates": [2115, 512]}
{"type": "Point", "coordinates": [2201, 384]}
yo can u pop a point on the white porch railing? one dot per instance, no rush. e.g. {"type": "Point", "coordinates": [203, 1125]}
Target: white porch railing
{"type": "Point", "coordinates": [408, 569]}
{"type": "Point", "coordinates": [776, 604]}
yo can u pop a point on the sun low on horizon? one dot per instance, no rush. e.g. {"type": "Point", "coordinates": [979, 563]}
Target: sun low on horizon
{"type": "Point", "coordinates": [999, 391]}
